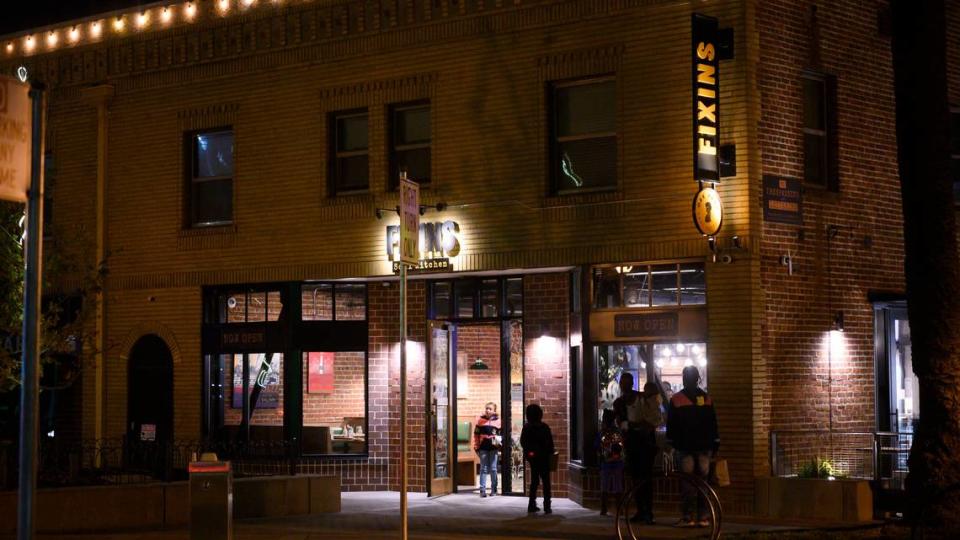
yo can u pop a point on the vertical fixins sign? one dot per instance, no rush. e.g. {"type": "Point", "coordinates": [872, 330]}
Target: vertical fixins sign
{"type": "Point", "coordinates": [706, 99]}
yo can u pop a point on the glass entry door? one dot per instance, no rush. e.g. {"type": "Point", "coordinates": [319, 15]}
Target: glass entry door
{"type": "Point", "coordinates": [905, 387]}
{"type": "Point", "coordinates": [511, 380]}
{"type": "Point", "coordinates": [439, 410]}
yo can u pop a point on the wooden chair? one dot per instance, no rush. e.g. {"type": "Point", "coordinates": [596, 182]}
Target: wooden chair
{"type": "Point", "coordinates": [467, 460]}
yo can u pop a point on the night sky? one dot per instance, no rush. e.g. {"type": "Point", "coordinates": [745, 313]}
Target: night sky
{"type": "Point", "coordinates": [25, 14]}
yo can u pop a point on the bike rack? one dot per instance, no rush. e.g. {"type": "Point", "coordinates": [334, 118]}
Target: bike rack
{"type": "Point", "coordinates": [716, 509]}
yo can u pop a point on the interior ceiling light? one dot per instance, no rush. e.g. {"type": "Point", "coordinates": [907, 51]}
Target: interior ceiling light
{"type": "Point", "coordinates": [478, 364]}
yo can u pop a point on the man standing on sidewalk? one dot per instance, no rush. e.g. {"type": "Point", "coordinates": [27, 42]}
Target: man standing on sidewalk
{"type": "Point", "coordinates": [692, 431]}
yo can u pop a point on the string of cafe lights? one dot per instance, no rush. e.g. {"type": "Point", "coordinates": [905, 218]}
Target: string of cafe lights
{"type": "Point", "coordinates": [158, 17]}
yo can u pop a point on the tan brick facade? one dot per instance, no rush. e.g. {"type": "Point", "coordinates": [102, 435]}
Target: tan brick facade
{"type": "Point", "coordinates": [276, 73]}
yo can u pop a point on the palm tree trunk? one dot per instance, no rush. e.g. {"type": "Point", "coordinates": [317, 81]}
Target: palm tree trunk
{"type": "Point", "coordinates": [932, 266]}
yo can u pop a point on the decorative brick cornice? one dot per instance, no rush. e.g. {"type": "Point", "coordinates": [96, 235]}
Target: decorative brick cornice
{"type": "Point", "coordinates": [621, 252]}
{"type": "Point", "coordinates": [290, 35]}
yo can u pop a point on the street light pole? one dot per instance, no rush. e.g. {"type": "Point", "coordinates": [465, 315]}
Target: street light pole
{"type": "Point", "coordinates": [403, 401]}
{"type": "Point", "coordinates": [30, 366]}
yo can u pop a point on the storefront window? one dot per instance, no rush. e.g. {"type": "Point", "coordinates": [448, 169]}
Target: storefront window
{"type": "Point", "coordinates": [257, 307]}
{"type": "Point", "coordinates": [333, 301]}
{"type": "Point", "coordinates": [606, 288]}
{"type": "Point", "coordinates": [671, 358]}
{"type": "Point", "coordinates": [465, 298]}
{"type": "Point", "coordinates": [636, 287]}
{"type": "Point", "coordinates": [513, 297]}
{"type": "Point", "coordinates": [489, 293]}
{"type": "Point", "coordinates": [664, 285]}
{"type": "Point", "coordinates": [693, 285]}
{"type": "Point", "coordinates": [249, 306]}
{"type": "Point", "coordinates": [643, 285]}
{"type": "Point", "coordinates": [253, 396]}
{"type": "Point", "coordinates": [350, 301]}
{"type": "Point", "coordinates": [317, 302]}
{"type": "Point", "coordinates": [440, 299]}
{"type": "Point", "coordinates": [612, 362]}
{"type": "Point", "coordinates": [334, 403]}
{"type": "Point", "coordinates": [668, 361]}
{"type": "Point", "coordinates": [470, 298]}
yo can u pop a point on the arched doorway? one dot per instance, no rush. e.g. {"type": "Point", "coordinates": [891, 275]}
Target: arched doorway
{"type": "Point", "coordinates": [150, 391]}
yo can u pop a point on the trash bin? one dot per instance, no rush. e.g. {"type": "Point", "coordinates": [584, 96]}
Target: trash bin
{"type": "Point", "coordinates": [211, 500]}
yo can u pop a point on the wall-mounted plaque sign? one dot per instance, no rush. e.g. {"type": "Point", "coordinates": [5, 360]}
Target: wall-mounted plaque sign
{"type": "Point", "coordinates": [707, 211]}
{"type": "Point", "coordinates": [782, 200]}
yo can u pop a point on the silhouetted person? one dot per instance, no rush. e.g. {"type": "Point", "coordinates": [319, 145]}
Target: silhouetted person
{"type": "Point", "coordinates": [639, 415]}
{"type": "Point", "coordinates": [537, 442]}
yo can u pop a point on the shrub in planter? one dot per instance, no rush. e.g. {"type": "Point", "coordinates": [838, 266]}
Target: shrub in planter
{"type": "Point", "coordinates": [820, 468]}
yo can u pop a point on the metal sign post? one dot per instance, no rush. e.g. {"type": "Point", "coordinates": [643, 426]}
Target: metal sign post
{"type": "Point", "coordinates": [21, 159]}
{"type": "Point", "coordinates": [409, 255]}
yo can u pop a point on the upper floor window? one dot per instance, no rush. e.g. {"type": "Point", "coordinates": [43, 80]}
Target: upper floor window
{"type": "Point", "coordinates": [820, 164]}
{"type": "Point", "coordinates": [583, 152]}
{"type": "Point", "coordinates": [210, 179]}
{"type": "Point", "coordinates": [410, 141]}
{"type": "Point", "coordinates": [349, 168]}
{"type": "Point", "coordinates": [636, 286]}
{"type": "Point", "coordinates": [955, 153]}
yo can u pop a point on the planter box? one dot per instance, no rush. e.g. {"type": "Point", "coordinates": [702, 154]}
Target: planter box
{"type": "Point", "coordinates": [157, 506]}
{"type": "Point", "coordinates": [814, 498]}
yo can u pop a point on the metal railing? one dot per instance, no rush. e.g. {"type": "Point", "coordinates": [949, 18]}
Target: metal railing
{"type": "Point", "coordinates": [877, 456]}
{"type": "Point", "coordinates": [122, 461]}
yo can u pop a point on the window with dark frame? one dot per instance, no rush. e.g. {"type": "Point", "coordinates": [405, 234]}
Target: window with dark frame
{"type": "Point", "coordinates": [210, 178]}
{"type": "Point", "coordinates": [583, 145]}
{"type": "Point", "coordinates": [349, 152]}
{"type": "Point", "coordinates": [576, 402]}
{"type": "Point", "coordinates": [410, 142]}
{"type": "Point", "coordinates": [472, 298]}
{"type": "Point", "coordinates": [955, 152]}
{"type": "Point", "coordinates": [333, 302]}
{"type": "Point", "coordinates": [646, 285]}
{"type": "Point", "coordinates": [820, 167]}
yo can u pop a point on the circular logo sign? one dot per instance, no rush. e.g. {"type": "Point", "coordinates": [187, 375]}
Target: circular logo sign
{"type": "Point", "coordinates": [707, 211]}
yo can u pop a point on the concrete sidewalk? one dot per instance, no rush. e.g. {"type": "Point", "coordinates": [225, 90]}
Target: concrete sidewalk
{"type": "Point", "coordinates": [375, 515]}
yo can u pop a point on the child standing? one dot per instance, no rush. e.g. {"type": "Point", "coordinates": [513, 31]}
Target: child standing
{"type": "Point", "coordinates": [610, 448]}
{"type": "Point", "coordinates": [537, 442]}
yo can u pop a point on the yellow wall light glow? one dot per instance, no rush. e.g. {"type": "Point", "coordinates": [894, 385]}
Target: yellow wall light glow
{"type": "Point", "coordinates": [189, 11]}
{"type": "Point", "coordinates": [52, 39]}
{"type": "Point", "coordinates": [248, 3]}
{"type": "Point", "coordinates": [29, 43]}
{"type": "Point", "coordinates": [95, 29]}
{"type": "Point", "coordinates": [143, 19]}
{"type": "Point", "coordinates": [166, 15]}
{"type": "Point", "coordinates": [118, 24]}
{"type": "Point", "coordinates": [74, 35]}
{"type": "Point", "coordinates": [223, 6]}
{"type": "Point", "coordinates": [9, 47]}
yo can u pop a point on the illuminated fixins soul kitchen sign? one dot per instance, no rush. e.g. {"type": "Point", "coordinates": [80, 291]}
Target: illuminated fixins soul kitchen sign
{"type": "Point", "coordinates": [439, 242]}
{"type": "Point", "coordinates": [706, 102]}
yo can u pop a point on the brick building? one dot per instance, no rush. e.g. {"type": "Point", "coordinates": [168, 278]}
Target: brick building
{"type": "Point", "coordinates": [235, 164]}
